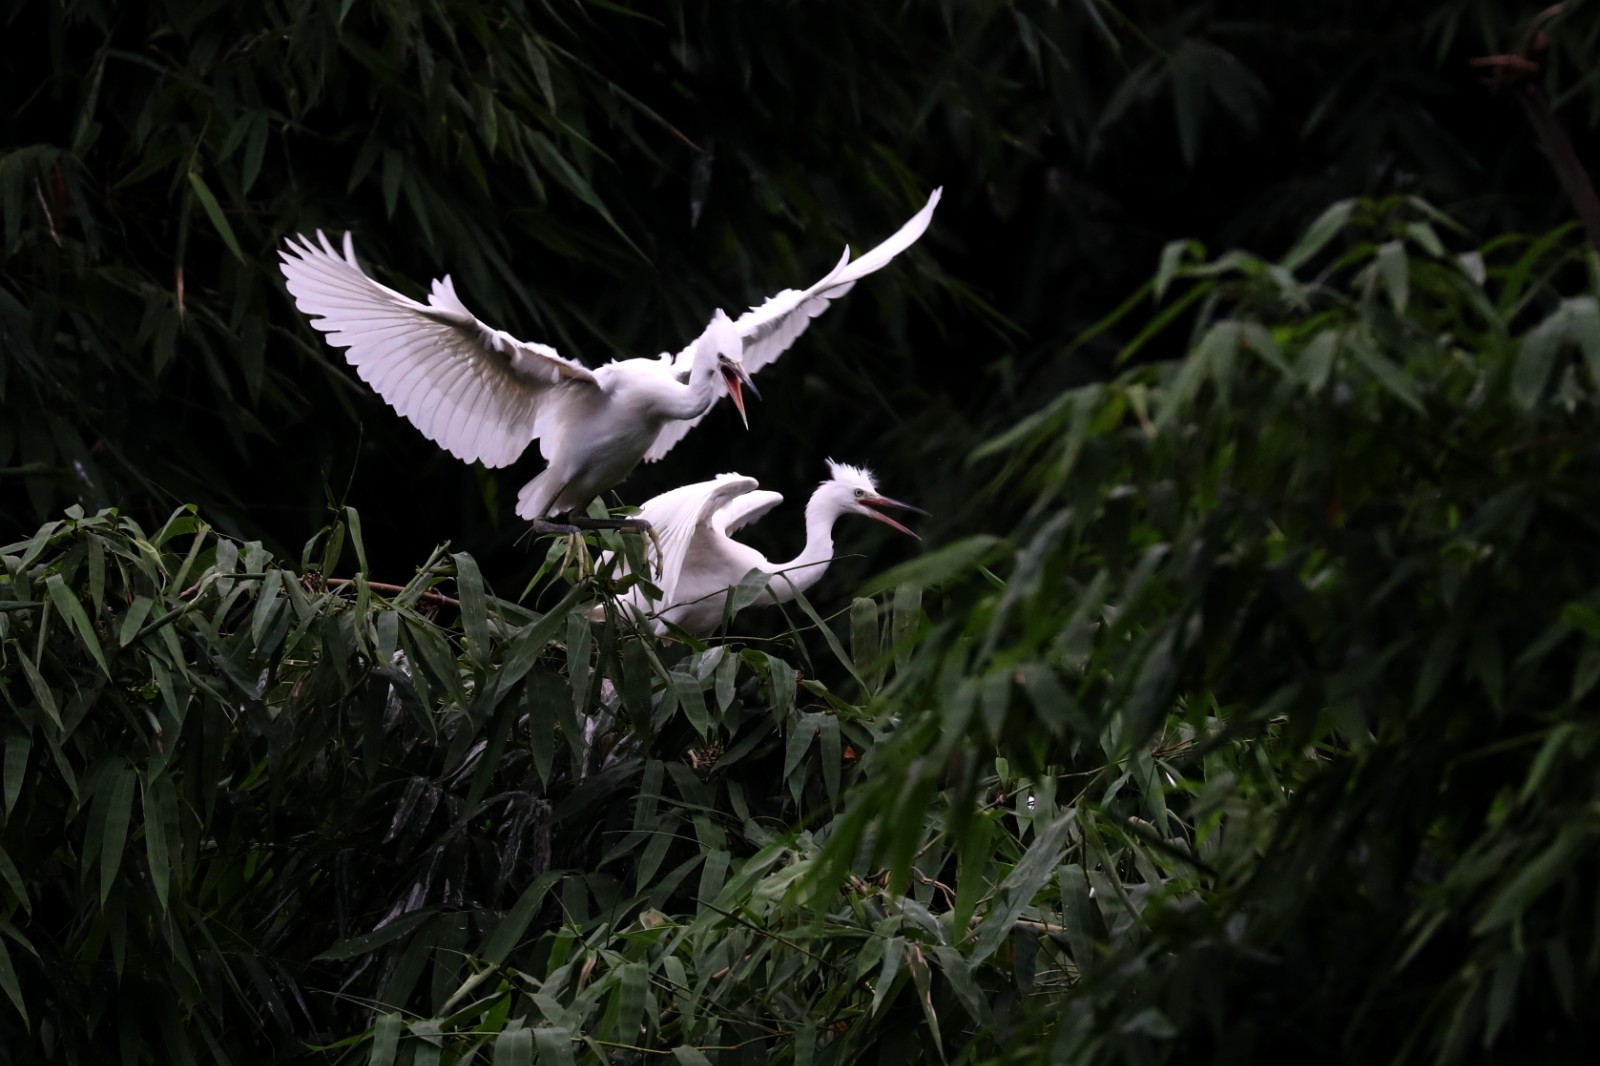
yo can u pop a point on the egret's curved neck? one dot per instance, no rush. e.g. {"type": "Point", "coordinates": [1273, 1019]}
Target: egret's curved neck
{"type": "Point", "coordinates": [701, 391]}
{"type": "Point", "coordinates": [805, 569]}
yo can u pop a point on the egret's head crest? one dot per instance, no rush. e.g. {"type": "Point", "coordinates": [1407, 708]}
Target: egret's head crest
{"type": "Point", "coordinates": [858, 476]}
{"type": "Point", "coordinates": [723, 337]}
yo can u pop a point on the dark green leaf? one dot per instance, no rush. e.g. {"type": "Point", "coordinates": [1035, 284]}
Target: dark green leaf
{"type": "Point", "coordinates": [1536, 358]}
{"type": "Point", "coordinates": [213, 211]}
{"type": "Point", "coordinates": [115, 810]}
{"type": "Point", "coordinates": [73, 612]}
{"type": "Point", "coordinates": [385, 1039]}
{"type": "Point", "coordinates": [508, 933]}
{"type": "Point", "coordinates": [11, 986]}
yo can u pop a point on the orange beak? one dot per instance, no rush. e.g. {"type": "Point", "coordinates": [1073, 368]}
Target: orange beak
{"type": "Point", "coordinates": [869, 502]}
{"type": "Point", "coordinates": [737, 378]}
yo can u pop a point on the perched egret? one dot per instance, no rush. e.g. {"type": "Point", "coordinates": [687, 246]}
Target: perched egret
{"type": "Point", "coordinates": [698, 561]}
{"type": "Point", "coordinates": [483, 395]}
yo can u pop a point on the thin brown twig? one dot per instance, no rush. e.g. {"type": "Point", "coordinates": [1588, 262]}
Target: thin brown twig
{"type": "Point", "coordinates": [949, 893]}
{"type": "Point", "coordinates": [394, 590]}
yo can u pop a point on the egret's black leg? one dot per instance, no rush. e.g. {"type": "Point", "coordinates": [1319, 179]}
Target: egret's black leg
{"type": "Point", "coordinates": [571, 523]}
{"type": "Point", "coordinates": [632, 525]}
{"type": "Point", "coordinates": [556, 524]}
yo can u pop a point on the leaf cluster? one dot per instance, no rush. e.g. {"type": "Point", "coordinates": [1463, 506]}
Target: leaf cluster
{"type": "Point", "coordinates": [1304, 617]}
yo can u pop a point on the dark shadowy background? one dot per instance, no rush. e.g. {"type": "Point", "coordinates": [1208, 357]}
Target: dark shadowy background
{"type": "Point", "coordinates": [602, 176]}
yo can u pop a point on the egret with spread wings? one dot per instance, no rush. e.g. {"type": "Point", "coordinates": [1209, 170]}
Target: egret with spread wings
{"type": "Point", "coordinates": [483, 395]}
{"type": "Point", "coordinates": [698, 560]}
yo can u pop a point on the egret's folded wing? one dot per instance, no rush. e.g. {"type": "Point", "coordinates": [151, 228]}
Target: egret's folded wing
{"type": "Point", "coordinates": [683, 515]}
{"type": "Point", "coordinates": [770, 329]}
{"type": "Point", "coordinates": [742, 510]}
{"type": "Point", "coordinates": [478, 392]}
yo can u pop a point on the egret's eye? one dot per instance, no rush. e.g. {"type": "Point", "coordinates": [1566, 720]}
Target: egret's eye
{"type": "Point", "coordinates": [860, 493]}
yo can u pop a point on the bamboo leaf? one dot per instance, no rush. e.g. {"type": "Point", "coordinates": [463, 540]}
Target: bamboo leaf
{"type": "Point", "coordinates": [19, 745]}
{"type": "Point", "coordinates": [514, 1046]}
{"type": "Point", "coordinates": [574, 182]}
{"type": "Point", "coordinates": [1390, 376]}
{"type": "Point", "coordinates": [13, 879]}
{"type": "Point", "coordinates": [159, 812]}
{"type": "Point", "coordinates": [1022, 884]}
{"type": "Point", "coordinates": [386, 1039]}
{"type": "Point", "coordinates": [508, 933]}
{"type": "Point", "coordinates": [634, 981]}
{"type": "Point", "coordinates": [73, 612]}
{"type": "Point", "coordinates": [377, 938]}
{"type": "Point", "coordinates": [116, 812]}
{"type": "Point", "coordinates": [474, 607]}
{"type": "Point", "coordinates": [554, 1045]}
{"type": "Point", "coordinates": [1317, 236]}
{"type": "Point", "coordinates": [692, 699]}
{"type": "Point", "coordinates": [1583, 318]}
{"type": "Point", "coordinates": [894, 953]}
{"type": "Point", "coordinates": [1536, 357]}
{"type": "Point", "coordinates": [865, 639]}
{"type": "Point", "coordinates": [938, 568]}
{"type": "Point", "coordinates": [1533, 879]}
{"type": "Point", "coordinates": [829, 638]}
{"type": "Point", "coordinates": [1395, 273]}
{"type": "Point", "coordinates": [213, 211]}
{"type": "Point", "coordinates": [12, 988]}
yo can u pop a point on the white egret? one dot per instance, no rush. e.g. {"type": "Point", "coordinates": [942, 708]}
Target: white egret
{"type": "Point", "coordinates": [483, 395]}
{"type": "Point", "coordinates": [699, 562]}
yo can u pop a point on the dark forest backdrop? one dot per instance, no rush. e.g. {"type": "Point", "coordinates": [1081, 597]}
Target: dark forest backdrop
{"type": "Point", "coordinates": [1237, 705]}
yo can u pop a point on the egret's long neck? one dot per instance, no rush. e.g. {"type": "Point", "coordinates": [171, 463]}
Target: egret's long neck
{"type": "Point", "coordinates": [701, 391]}
{"type": "Point", "coordinates": [805, 569]}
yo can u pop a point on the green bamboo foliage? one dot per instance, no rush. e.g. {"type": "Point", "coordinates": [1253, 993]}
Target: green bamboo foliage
{"type": "Point", "coordinates": [1274, 708]}
{"type": "Point", "coordinates": [1302, 623]}
{"type": "Point", "coordinates": [268, 808]}
{"type": "Point", "coordinates": [1241, 705]}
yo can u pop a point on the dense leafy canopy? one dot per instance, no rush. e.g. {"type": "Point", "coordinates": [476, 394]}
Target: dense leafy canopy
{"type": "Point", "coordinates": [1240, 705]}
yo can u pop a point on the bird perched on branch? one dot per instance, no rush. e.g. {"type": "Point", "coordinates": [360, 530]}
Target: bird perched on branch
{"type": "Point", "coordinates": [483, 395]}
{"type": "Point", "coordinates": [699, 562]}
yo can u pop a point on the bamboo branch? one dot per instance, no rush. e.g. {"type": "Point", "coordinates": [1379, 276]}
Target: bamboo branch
{"type": "Point", "coordinates": [393, 590]}
{"type": "Point", "coordinates": [1518, 72]}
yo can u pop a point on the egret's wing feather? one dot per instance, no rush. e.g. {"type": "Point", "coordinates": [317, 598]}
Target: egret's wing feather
{"type": "Point", "coordinates": [683, 515]}
{"type": "Point", "coordinates": [771, 328]}
{"type": "Point", "coordinates": [742, 510]}
{"type": "Point", "coordinates": [478, 392]}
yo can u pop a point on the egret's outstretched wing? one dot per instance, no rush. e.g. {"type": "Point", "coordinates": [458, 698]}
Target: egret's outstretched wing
{"type": "Point", "coordinates": [478, 392]}
{"type": "Point", "coordinates": [682, 517]}
{"type": "Point", "coordinates": [742, 510]}
{"type": "Point", "coordinates": [770, 329]}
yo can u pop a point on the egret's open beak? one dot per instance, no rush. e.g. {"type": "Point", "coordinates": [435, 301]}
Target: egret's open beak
{"type": "Point", "coordinates": [737, 377]}
{"type": "Point", "coordinates": [869, 502]}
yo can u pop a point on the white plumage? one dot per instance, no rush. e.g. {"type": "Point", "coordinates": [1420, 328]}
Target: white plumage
{"type": "Point", "coordinates": [769, 329]}
{"type": "Point", "coordinates": [483, 395]}
{"type": "Point", "coordinates": [698, 560]}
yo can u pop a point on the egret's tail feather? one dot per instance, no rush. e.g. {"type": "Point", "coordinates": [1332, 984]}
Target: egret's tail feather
{"type": "Point", "coordinates": [534, 498]}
